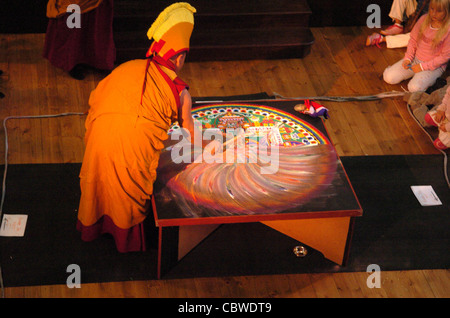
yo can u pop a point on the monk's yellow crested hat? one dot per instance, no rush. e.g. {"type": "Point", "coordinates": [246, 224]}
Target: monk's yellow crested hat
{"type": "Point", "coordinates": [171, 31]}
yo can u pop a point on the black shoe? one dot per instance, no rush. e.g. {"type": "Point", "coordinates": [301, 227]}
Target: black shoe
{"type": "Point", "coordinates": [77, 72]}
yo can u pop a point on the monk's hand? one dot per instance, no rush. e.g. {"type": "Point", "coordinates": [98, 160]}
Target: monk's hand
{"type": "Point", "coordinates": [213, 147]}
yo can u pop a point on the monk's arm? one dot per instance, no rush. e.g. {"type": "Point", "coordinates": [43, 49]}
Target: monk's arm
{"type": "Point", "coordinates": [186, 121]}
{"type": "Point", "coordinates": [185, 116]}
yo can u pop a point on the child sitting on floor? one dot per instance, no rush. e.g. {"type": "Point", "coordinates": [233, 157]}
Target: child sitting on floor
{"type": "Point", "coordinates": [428, 50]}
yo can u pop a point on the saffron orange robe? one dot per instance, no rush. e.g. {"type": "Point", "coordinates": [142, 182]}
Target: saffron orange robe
{"type": "Point", "coordinates": [125, 130]}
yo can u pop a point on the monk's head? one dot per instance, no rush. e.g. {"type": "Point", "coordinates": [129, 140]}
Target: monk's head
{"type": "Point", "coordinates": [171, 31]}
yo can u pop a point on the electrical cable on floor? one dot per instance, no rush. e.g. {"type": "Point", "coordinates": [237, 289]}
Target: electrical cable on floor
{"type": "Point", "coordinates": [347, 98]}
{"type": "Point", "coordinates": [6, 169]}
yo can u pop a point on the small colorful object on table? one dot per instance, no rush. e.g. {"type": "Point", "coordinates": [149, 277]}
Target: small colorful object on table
{"type": "Point", "coordinates": [312, 109]}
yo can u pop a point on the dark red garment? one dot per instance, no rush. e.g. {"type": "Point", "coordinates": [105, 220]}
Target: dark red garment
{"type": "Point", "coordinates": [92, 44]}
{"type": "Point", "coordinates": [127, 240]}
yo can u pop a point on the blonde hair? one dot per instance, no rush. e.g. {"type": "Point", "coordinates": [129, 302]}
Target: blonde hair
{"type": "Point", "coordinates": [445, 6]}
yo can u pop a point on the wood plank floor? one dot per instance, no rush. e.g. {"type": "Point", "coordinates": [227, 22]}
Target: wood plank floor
{"type": "Point", "coordinates": [339, 65]}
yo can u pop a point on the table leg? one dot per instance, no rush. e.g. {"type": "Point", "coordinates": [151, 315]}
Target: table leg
{"type": "Point", "coordinates": [330, 236]}
{"type": "Point", "coordinates": [175, 242]}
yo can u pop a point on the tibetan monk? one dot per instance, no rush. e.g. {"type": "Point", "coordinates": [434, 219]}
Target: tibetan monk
{"type": "Point", "coordinates": [130, 113]}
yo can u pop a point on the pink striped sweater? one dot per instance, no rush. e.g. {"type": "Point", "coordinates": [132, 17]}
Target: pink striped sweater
{"type": "Point", "coordinates": [431, 58]}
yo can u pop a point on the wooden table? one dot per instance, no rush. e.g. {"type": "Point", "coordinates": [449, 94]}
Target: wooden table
{"type": "Point", "coordinates": [327, 229]}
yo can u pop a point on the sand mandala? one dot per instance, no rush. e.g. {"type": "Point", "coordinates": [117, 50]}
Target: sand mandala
{"type": "Point", "coordinates": [302, 160]}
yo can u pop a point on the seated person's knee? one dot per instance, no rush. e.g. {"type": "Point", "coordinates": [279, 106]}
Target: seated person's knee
{"type": "Point", "coordinates": [389, 77]}
{"type": "Point", "coordinates": [415, 87]}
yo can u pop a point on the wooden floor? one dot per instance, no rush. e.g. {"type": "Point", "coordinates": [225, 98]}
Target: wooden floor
{"type": "Point", "coordinates": [339, 65]}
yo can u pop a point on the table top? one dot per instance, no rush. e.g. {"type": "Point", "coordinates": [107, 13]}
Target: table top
{"type": "Point", "coordinates": [309, 180]}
